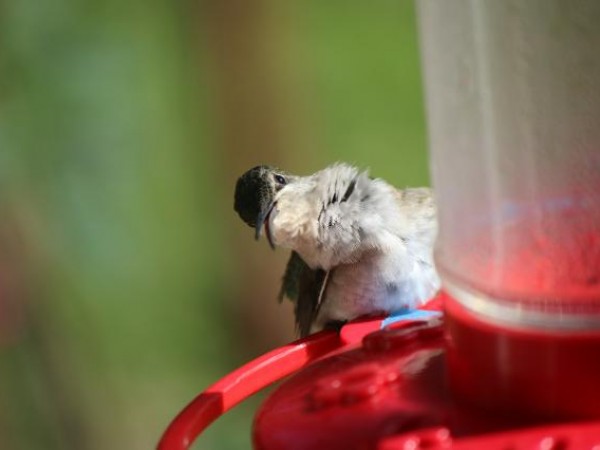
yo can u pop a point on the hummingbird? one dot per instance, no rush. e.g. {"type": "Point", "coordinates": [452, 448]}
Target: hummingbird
{"type": "Point", "coordinates": [359, 246]}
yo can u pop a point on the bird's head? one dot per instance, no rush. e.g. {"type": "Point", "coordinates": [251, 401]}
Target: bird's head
{"type": "Point", "coordinates": [255, 194]}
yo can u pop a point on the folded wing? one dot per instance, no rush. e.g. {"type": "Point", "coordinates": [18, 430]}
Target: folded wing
{"type": "Point", "coordinates": [305, 287]}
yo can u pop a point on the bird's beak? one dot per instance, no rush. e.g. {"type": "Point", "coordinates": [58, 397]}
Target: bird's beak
{"type": "Point", "coordinates": [263, 219]}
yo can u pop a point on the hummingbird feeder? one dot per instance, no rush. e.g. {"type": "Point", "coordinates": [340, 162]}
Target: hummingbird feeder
{"type": "Point", "coordinates": [507, 356]}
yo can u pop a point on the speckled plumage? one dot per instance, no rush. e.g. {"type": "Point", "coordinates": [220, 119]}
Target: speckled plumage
{"type": "Point", "coordinates": [359, 245]}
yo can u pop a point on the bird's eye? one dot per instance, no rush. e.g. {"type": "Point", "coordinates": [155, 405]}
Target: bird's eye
{"type": "Point", "coordinates": [280, 179]}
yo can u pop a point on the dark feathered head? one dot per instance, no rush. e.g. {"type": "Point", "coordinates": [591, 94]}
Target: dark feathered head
{"type": "Point", "coordinates": [255, 193]}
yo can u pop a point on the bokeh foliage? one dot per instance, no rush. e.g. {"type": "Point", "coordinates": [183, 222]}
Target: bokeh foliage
{"type": "Point", "coordinates": [126, 281]}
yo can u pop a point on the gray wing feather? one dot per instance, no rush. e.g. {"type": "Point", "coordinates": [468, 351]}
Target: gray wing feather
{"type": "Point", "coordinates": [291, 277]}
{"type": "Point", "coordinates": [304, 286]}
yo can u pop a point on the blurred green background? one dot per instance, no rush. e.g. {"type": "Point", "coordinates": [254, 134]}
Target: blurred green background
{"type": "Point", "coordinates": [127, 282]}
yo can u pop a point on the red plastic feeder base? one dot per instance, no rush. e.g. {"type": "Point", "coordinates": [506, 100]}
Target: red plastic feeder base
{"type": "Point", "coordinates": [391, 392]}
{"type": "Point", "coordinates": [387, 389]}
{"type": "Point", "coordinates": [552, 376]}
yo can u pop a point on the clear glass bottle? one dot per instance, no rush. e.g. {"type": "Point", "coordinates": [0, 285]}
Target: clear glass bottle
{"type": "Point", "coordinates": [513, 106]}
{"type": "Point", "coordinates": [513, 99]}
